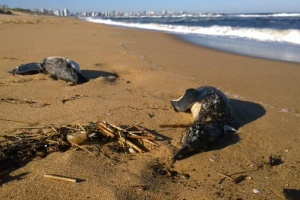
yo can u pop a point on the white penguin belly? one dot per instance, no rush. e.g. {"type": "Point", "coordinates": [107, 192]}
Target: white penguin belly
{"type": "Point", "coordinates": [195, 109]}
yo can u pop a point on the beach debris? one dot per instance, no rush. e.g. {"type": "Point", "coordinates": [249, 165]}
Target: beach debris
{"type": "Point", "coordinates": [25, 145]}
{"type": "Point", "coordinates": [185, 176]}
{"type": "Point", "coordinates": [23, 101]}
{"type": "Point", "coordinates": [112, 79]}
{"type": "Point", "coordinates": [162, 170]}
{"type": "Point", "coordinates": [17, 101]}
{"type": "Point", "coordinates": [256, 191]}
{"type": "Point", "coordinates": [11, 120]}
{"type": "Point", "coordinates": [77, 138]}
{"type": "Point", "coordinates": [10, 58]}
{"type": "Point", "coordinates": [291, 194]}
{"type": "Point", "coordinates": [234, 180]}
{"type": "Point", "coordinates": [77, 96]}
{"type": "Point", "coordinates": [56, 67]}
{"type": "Point", "coordinates": [31, 142]}
{"type": "Point", "coordinates": [285, 110]}
{"type": "Point", "coordinates": [130, 137]}
{"type": "Point", "coordinates": [275, 160]}
{"type": "Point", "coordinates": [63, 178]}
{"type": "Point", "coordinates": [239, 178]}
{"type": "Point", "coordinates": [141, 187]}
{"type": "Point", "coordinates": [211, 112]}
{"type": "Point", "coordinates": [131, 150]}
{"type": "Point", "coordinates": [174, 125]}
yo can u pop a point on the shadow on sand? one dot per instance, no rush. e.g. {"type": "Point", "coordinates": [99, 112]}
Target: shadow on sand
{"type": "Point", "coordinates": [243, 112]}
{"type": "Point", "coordinates": [93, 74]}
{"type": "Point", "coordinates": [9, 165]}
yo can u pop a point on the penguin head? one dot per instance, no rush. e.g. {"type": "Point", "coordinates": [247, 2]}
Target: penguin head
{"type": "Point", "coordinates": [198, 138]}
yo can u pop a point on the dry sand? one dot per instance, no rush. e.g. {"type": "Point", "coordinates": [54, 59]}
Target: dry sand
{"type": "Point", "coordinates": [153, 68]}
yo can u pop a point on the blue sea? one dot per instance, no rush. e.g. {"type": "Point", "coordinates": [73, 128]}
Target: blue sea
{"type": "Point", "coordinates": [267, 35]}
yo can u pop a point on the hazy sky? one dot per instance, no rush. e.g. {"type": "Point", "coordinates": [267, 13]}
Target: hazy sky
{"type": "Point", "coordinates": [225, 6]}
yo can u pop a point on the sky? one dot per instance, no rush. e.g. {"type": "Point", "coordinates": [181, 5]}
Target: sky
{"type": "Point", "coordinates": [220, 6]}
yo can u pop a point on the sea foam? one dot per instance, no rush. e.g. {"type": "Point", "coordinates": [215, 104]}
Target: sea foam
{"type": "Point", "coordinates": [260, 34]}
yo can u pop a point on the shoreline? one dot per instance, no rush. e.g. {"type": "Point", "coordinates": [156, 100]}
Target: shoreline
{"type": "Point", "coordinates": [248, 54]}
{"type": "Point", "coordinates": [152, 69]}
{"type": "Point", "coordinates": [274, 50]}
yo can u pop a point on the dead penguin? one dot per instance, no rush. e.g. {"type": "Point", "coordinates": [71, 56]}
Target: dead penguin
{"type": "Point", "coordinates": [56, 67]}
{"type": "Point", "coordinates": [211, 113]}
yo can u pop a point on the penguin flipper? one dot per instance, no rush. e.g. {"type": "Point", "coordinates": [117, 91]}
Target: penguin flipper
{"type": "Point", "coordinates": [27, 69]}
{"type": "Point", "coordinates": [186, 101]}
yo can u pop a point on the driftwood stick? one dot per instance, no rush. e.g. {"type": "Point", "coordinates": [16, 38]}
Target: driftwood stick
{"type": "Point", "coordinates": [145, 131]}
{"type": "Point", "coordinates": [105, 125]}
{"type": "Point", "coordinates": [116, 127]}
{"type": "Point", "coordinates": [60, 178]}
{"type": "Point", "coordinates": [132, 145]}
{"type": "Point", "coordinates": [135, 132]}
{"type": "Point", "coordinates": [76, 145]}
{"type": "Point", "coordinates": [133, 126]}
{"type": "Point", "coordinates": [132, 134]}
{"type": "Point", "coordinates": [174, 125]}
{"type": "Point", "coordinates": [52, 141]}
{"type": "Point", "coordinates": [10, 120]}
{"type": "Point", "coordinates": [226, 176]}
{"type": "Point", "coordinates": [123, 140]}
{"type": "Point", "coordinates": [106, 132]}
{"type": "Point", "coordinates": [81, 127]}
{"type": "Point", "coordinates": [33, 127]}
{"type": "Point", "coordinates": [71, 128]}
{"type": "Point", "coordinates": [139, 137]}
{"type": "Point", "coordinates": [54, 130]}
{"type": "Point", "coordinates": [144, 138]}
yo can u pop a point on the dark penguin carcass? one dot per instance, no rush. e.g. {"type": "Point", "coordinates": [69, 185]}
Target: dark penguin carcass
{"type": "Point", "coordinates": [56, 67]}
{"type": "Point", "coordinates": [212, 116]}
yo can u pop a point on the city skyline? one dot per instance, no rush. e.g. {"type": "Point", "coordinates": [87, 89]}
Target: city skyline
{"type": "Point", "coordinates": [218, 6]}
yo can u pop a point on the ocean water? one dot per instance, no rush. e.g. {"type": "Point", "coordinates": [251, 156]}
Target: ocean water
{"type": "Point", "coordinates": [268, 35]}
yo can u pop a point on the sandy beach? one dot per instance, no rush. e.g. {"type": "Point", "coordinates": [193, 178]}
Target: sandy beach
{"type": "Point", "coordinates": [133, 76]}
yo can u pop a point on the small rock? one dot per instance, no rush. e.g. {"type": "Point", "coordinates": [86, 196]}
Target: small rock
{"type": "Point", "coordinates": [285, 110]}
{"type": "Point", "coordinates": [185, 176]}
{"type": "Point", "coordinates": [275, 160]}
{"type": "Point", "coordinates": [131, 150]}
{"type": "Point", "coordinates": [256, 191]}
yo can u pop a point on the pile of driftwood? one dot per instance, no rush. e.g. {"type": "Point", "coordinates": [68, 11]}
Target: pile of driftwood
{"type": "Point", "coordinates": [130, 138]}
{"type": "Point", "coordinates": [40, 141]}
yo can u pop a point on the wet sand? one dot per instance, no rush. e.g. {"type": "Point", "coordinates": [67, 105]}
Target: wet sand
{"type": "Point", "coordinates": [152, 69]}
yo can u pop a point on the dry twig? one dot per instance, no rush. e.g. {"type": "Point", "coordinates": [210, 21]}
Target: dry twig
{"type": "Point", "coordinates": [83, 149]}
{"type": "Point", "coordinates": [174, 125]}
{"type": "Point", "coordinates": [63, 178]}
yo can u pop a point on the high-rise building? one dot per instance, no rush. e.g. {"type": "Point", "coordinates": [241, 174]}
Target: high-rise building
{"type": "Point", "coordinates": [57, 12]}
{"type": "Point", "coordinates": [66, 12]}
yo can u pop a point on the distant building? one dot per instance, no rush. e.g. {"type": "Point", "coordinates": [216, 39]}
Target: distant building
{"type": "Point", "coordinates": [95, 14]}
{"type": "Point", "coordinates": [43, 10]}
{"type": "Point", "coordinates": [57, 12]}
{"type": "Point", "coordinates": [66, 12]}
{"type": "Point", "coordinates": [85, 14]}
{"type": "Point", "coordinates": [50, 12]}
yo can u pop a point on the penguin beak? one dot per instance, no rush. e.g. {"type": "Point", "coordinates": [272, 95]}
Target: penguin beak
{"type": "Point", "coordinates": [178, 155]}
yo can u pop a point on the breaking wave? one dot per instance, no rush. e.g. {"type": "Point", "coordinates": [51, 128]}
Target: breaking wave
{"type": "Point", "coordinates": [260, 34]}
